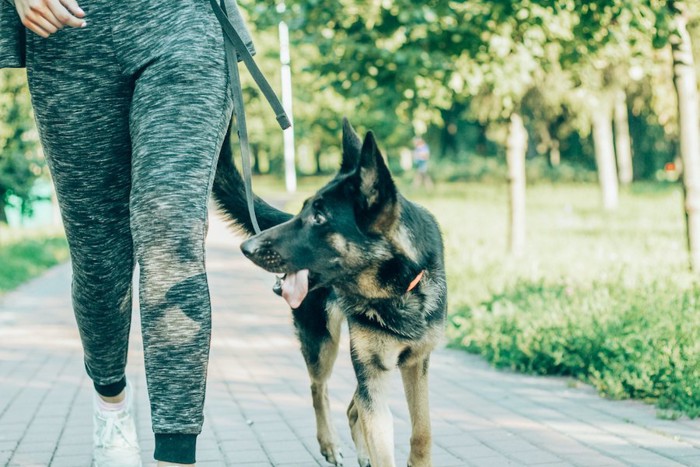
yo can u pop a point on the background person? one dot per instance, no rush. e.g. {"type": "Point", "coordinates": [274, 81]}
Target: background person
{"type": "Point", "coordinates": [421, 156]}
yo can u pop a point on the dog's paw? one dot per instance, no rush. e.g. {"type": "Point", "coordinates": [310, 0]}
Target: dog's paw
{"type": "Point", "coordinates": [419, 462]}
{"type": "Point", "coordinates": [332, 454]}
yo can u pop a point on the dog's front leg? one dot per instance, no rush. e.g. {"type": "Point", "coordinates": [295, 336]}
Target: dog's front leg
{"type": "Point", "coordinates": [325, 432]}
{"type": "Point", "coordinates": [358, 435]}
{"type": "Point", "coordinates": [415, 383]}
{"type": "Point", "coordinates": [372, 365]}
{"type": "Point", "coordinates": [320, 351]}
{"type": "Point", "coordinates": [378, 428]}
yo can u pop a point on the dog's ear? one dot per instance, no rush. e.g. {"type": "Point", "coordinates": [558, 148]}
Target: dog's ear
{"type": "Point", "coordinates": [351, 147]}
{"type": "Point", "coordinates": [376, 187]}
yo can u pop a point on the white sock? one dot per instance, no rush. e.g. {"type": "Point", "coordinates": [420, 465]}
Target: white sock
{"type": "Point", "coordinates": [105, 406]}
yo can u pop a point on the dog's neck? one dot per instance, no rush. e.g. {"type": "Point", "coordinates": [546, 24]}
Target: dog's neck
{"type": "Point", "coordinates": [393, 279]}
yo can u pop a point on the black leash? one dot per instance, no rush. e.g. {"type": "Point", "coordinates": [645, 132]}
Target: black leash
{"type": "Point", "coordinates": [235, 48]}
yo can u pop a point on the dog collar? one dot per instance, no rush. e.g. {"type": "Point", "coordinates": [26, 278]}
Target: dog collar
{"type": "Point", "coordinates": [415, 281]}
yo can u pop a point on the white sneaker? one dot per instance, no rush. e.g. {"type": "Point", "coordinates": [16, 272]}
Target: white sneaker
{"type": "Point", "coordinates": [114, 437]}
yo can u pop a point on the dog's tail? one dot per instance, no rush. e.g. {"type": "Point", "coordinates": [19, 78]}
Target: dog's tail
{"type": "Point", "coordinates": [229, 194]}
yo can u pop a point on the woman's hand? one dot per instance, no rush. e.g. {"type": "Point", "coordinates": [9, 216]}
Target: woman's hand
{"type": "Point", "coordinates": [45, 17]}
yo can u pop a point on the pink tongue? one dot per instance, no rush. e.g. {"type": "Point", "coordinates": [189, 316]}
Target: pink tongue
{"type": "Point", "coordinates": [295, 287]}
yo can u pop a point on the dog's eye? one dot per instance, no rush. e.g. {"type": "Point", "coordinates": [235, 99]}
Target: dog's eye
{"type": "Point", "coordinates": [318, 218]}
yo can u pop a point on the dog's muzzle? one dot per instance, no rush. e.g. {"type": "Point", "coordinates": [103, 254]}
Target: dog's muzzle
{"type": "Point", "coordinates": [260, 252]}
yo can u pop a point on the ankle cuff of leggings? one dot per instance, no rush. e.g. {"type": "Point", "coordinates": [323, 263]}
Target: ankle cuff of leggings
{"type": "Point", "coordinates": [178, 448]}
{"type": "Point", "coordinates": [111, 390]}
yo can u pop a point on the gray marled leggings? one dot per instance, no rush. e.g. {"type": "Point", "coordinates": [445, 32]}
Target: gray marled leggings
{"type": "Point", "coordinates": [132, 111]}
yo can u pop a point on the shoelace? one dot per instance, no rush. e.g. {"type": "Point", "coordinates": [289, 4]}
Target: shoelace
{"type": "Point", "coordinates": [113, 423]}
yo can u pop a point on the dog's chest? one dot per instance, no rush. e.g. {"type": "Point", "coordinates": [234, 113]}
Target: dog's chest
{"type": "Point", "coordinates": [403, 317]}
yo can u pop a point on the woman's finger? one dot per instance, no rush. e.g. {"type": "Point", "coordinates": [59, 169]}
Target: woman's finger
{"type": "Point", "coordinates": [32, 26]}
{"type": "Point", "coordinates": [73, 7]}
{"type": "Point", "coordinates": [41, 22]}
{"type": "Point", "coordinates": [51, 18]}
{"type": "Point", "coordinates": [64, 16]}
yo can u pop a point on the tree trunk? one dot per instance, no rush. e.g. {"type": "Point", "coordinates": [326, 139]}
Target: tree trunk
{"type": "Point", "coordinates": [605, 154]}
{"type": "Point", "coordinates": [317, 156]}
{"type": "Point", "coordinates": [554, 154]}
{"type": "Point", "coordinates": [3, 215]}
{"type": "Point", "coordinates": [255, 152]}
{"type": "Point", "coordinates": [623, 144]}
{"type": "Point", "coordinates": [551, 144]}
{"type": "Point", "coordinates": [685, 82]}
{"type": "Point", "coordinates": [515, 156]}
{"type": "Point", "coordinates": [482, 141]}
{"type": "Point", "coordinates": [449, 142]}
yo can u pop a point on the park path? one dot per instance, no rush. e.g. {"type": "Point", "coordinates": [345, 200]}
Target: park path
{"type": "Point", "coordinates": [258, 410]}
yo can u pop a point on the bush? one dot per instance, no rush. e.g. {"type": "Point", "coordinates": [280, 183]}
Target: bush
{"type": "Point", "coordinates": [22, 260]}
{"type": "Point", "coordinates": [478, 168]}
{"type": "Point", "coordinates": [538, 169]}
{"type": "Point", "coordinates": [641, 341]}
{"type": "Point", "coordinates": [493, 169]}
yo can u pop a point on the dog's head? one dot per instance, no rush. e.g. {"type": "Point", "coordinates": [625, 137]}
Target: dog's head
{"type": "Point", "coordinates": [335, 235]}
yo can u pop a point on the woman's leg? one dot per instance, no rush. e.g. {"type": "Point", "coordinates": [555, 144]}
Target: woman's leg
{"type": "Point", "coordinates": [178, 118]}
{"type": "Point", "coordinates": [81, 102]}
{"type": "Point", "coordinates": [138, 165]}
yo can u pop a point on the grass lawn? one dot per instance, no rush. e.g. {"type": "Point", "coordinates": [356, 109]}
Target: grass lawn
{"type": "Point", "coordinates": [23, 257]}
{"type": "Point", "coordinates": [602, 297]}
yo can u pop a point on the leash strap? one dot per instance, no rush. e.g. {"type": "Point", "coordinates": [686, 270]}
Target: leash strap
{"type": "Point", "coordinates": [235, 41]}
{"type": "Point", "coordinates": [234, 48]}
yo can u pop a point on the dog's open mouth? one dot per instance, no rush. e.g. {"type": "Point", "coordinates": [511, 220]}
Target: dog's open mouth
{"type": "Point", "coordinates": [295, 286]}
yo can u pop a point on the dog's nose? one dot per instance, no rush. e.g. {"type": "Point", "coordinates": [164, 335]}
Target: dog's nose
{"type": "Point", "coordinates": [250, 246]}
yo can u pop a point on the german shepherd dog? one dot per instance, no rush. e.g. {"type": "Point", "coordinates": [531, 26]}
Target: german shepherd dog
{"type": "Point", "coordinates": [358, 250]}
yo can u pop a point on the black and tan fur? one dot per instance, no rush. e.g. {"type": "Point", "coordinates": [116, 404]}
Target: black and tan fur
{"type": "Point", "coordinates": [363, 244]}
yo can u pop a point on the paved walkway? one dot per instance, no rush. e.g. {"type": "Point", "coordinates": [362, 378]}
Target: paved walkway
{"type": "Point", "coordinates": [259, 412]}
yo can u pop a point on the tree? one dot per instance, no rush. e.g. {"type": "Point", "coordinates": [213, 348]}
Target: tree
{"type": "Point", "coordinates": [669, 19]}
{"type": "Point", "coordinates": [600, 76]}
{"type": "Point", "coordinates": [396, 61]}
{"type": "Point", "coordinates": [20, 164]}
{"type": "Point", "coordinates": [623, 145]}
{"type": "Point", "coordinates": [515, 153]}
{"type": "Point", "coordinates": [605, 152]}
{"type": "Point", "coordinates": [685, 81]}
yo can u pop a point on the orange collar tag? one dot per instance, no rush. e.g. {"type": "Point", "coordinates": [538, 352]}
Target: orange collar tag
{"type": "Point", "coordinates": [415, 281]}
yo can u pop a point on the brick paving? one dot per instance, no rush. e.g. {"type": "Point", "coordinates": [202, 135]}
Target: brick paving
{"type": "Point", "coordinates": [258, 410]}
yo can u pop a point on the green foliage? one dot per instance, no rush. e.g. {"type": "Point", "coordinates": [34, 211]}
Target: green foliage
{"type": "Point", "coordinates": [21, 260]}
{"type": "Point", "coordinates": [640, 341]}
{"type": "Point", "coordinates": [412, 60]}
{"type": "Point", "coordinates": [442, 68]}
{"type": "Point", "coordinates": [605, 298]}
{"type": "Point", "coordinates": [492, 169]}
{"type": "Point", "coordinates": [20, 164]}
